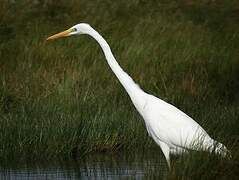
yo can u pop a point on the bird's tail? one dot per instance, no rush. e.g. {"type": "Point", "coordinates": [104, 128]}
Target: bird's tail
{"type": "Point", "coordinates": [212, 146]}
{"type": "Point", "coordinates": [221, 149]}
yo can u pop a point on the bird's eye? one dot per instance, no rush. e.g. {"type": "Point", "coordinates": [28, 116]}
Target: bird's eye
{"type": "Point", "coordinates": [73, 30]}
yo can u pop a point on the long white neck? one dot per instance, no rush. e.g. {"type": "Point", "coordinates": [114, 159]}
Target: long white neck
{"type": "Point", "coordinates": [130, 86]}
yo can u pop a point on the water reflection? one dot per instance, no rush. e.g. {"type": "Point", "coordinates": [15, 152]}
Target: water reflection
{"type": "Point", "coordinates": [126, 165]}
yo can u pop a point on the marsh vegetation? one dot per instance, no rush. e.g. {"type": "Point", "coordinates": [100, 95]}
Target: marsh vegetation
{"type": "Point", "coordinates": [61, 99]}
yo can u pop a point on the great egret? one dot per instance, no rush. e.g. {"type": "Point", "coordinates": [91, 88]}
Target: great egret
{"type": "Point", "coordinates": [171, 129]}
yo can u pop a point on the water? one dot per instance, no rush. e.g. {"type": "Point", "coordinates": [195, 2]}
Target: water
{"type": "Point", "coordinates": [120, 165]}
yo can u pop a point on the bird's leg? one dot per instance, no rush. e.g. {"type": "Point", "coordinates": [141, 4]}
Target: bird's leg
{"type": "Point", "coordinates": [166, 150]}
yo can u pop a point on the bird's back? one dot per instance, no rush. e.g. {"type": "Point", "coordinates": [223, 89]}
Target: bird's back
{"type": "Point", "coordinates": [172, 126]}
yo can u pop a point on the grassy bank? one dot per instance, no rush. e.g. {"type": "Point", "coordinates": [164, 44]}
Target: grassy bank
{"type": "Point", "coordinates": [61, 98]}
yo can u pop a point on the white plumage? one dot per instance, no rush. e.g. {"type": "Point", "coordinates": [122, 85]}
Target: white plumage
{"type": "Point", "coordinates": [173, 130]}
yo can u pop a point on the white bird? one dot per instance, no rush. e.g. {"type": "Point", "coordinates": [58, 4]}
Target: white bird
{"type": "Point", "coordinates": [173, 130]}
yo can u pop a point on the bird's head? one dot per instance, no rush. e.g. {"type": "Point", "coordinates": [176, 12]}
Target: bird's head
{"type": "Point", "coordinates": [81, 28]}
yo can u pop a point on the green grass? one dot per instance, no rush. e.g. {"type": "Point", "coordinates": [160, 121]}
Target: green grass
{"type": "Point", "coordinates": [61, 98]}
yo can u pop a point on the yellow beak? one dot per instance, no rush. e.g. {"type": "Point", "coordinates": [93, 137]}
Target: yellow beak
{"type": "Point", "coordinates": [59, 35]}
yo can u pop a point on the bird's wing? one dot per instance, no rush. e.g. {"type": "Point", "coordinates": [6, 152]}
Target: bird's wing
{"type": "Point", "coordinates": [173, 126]}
